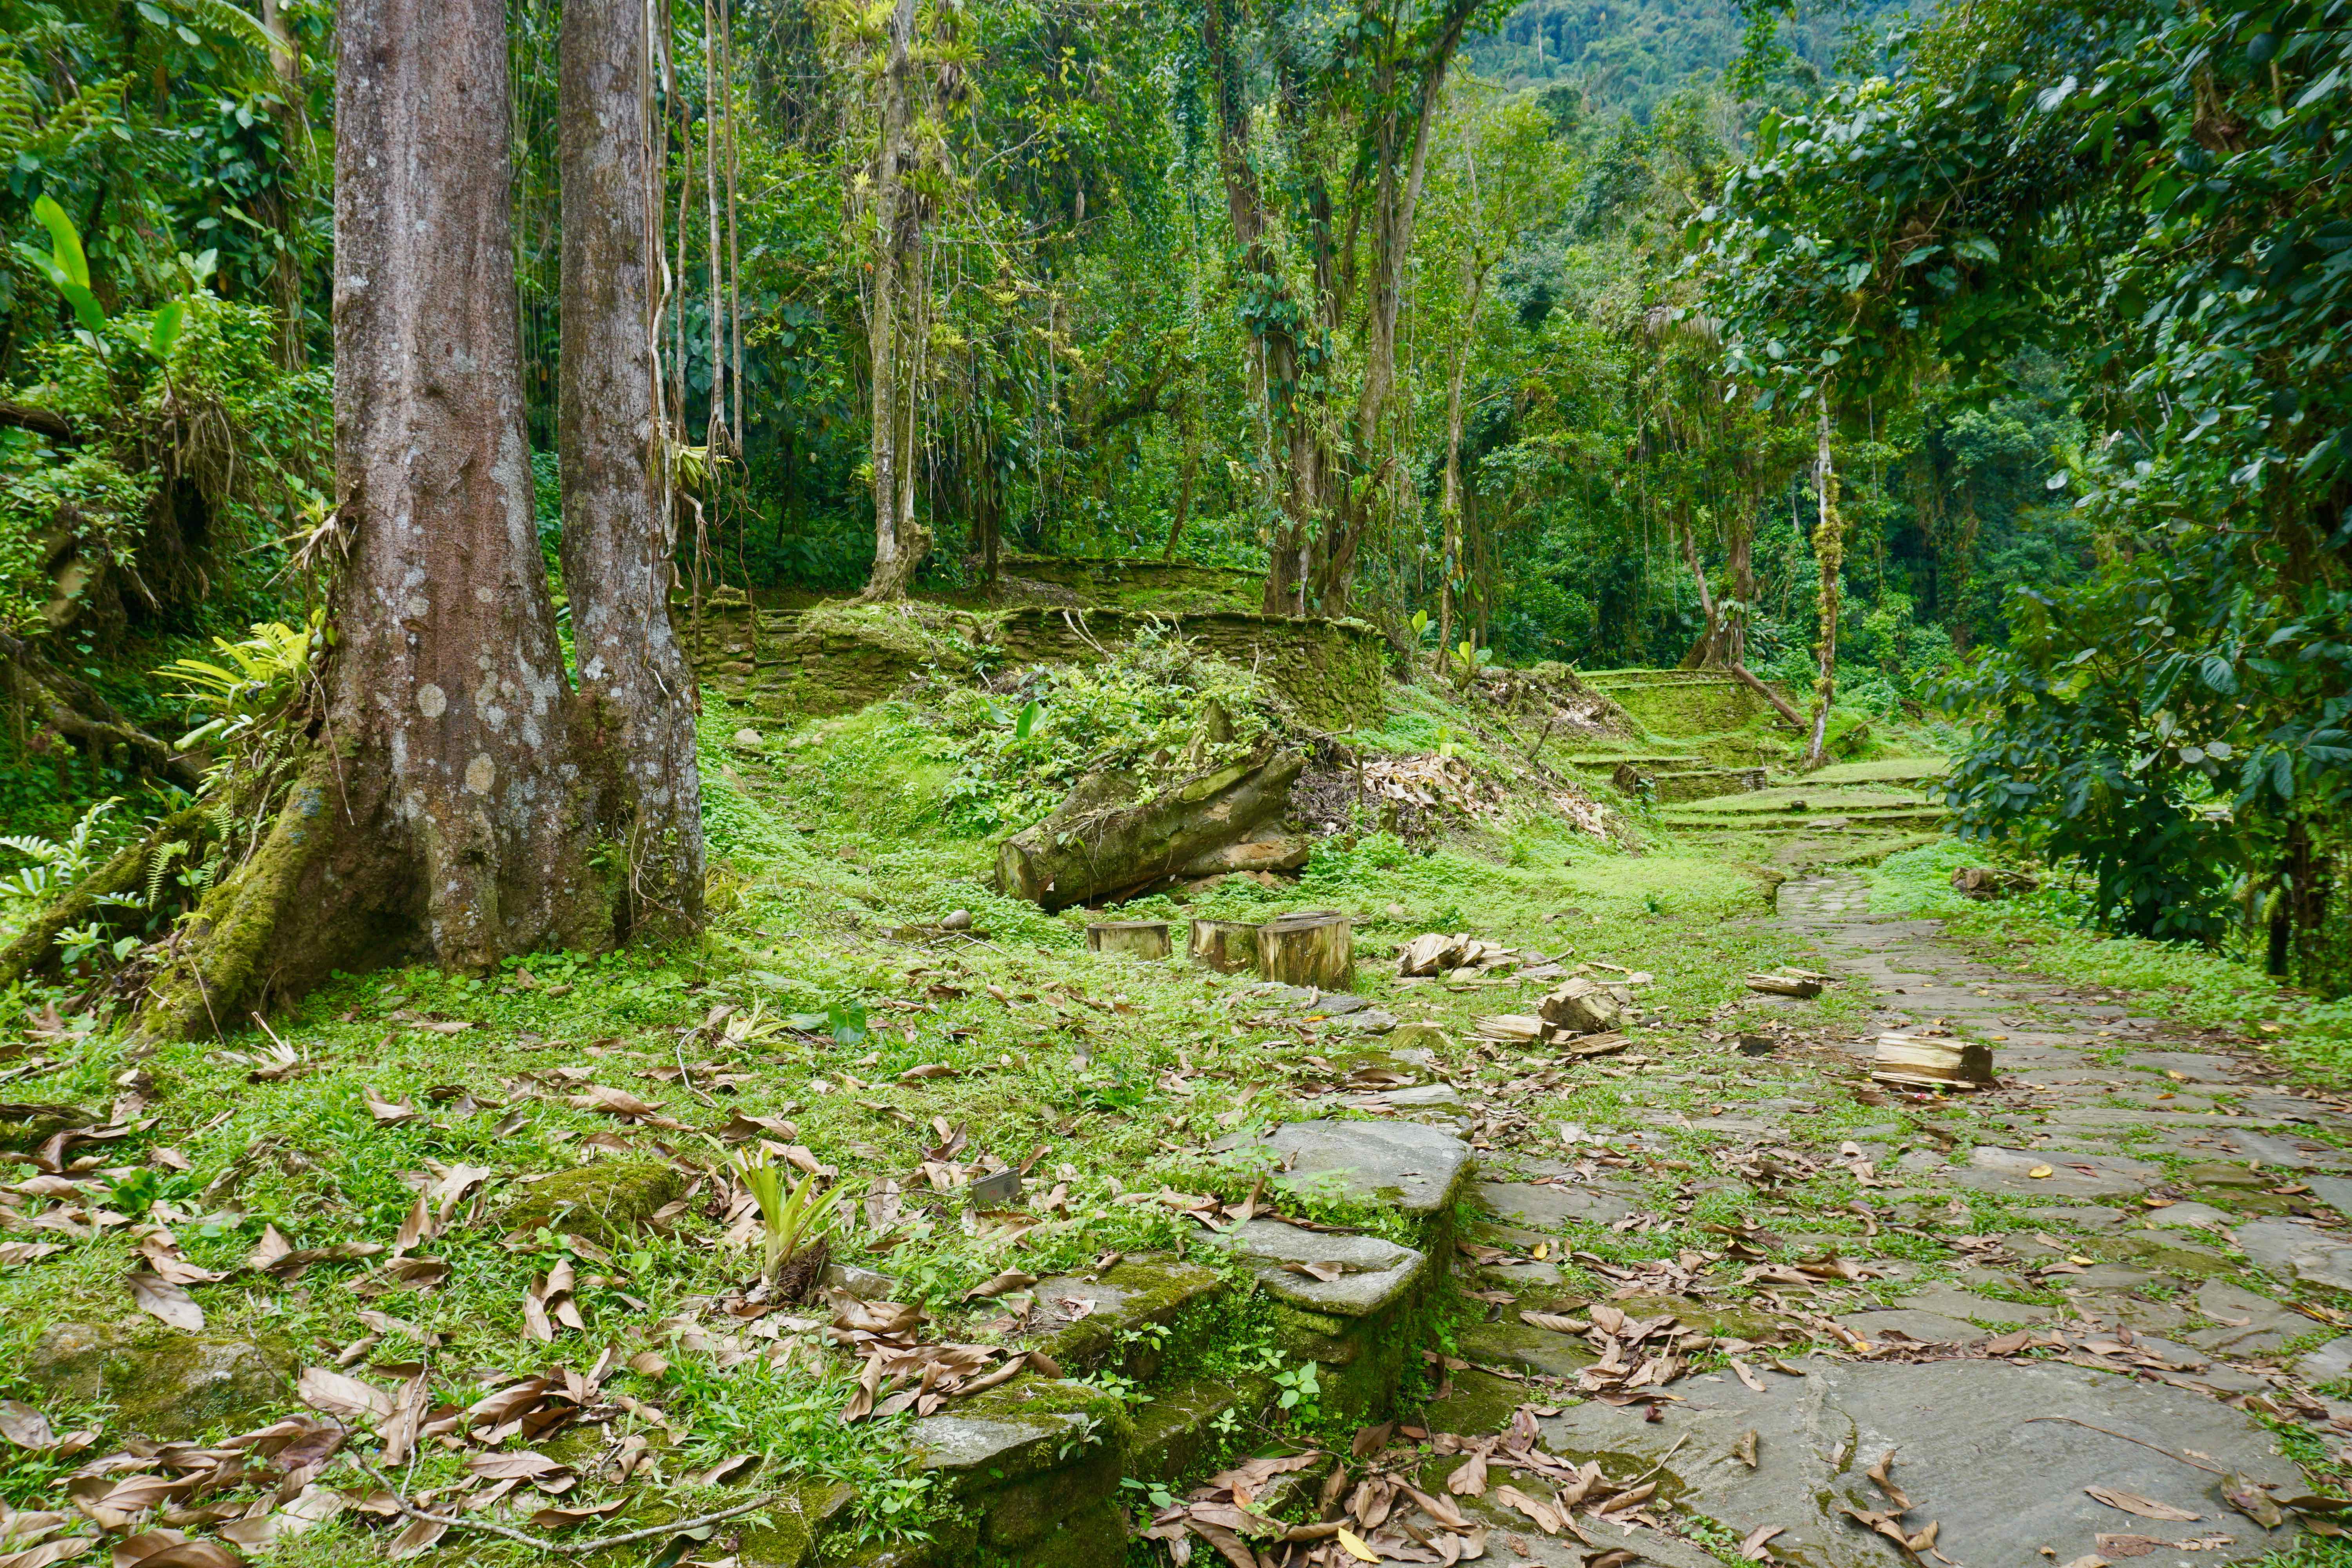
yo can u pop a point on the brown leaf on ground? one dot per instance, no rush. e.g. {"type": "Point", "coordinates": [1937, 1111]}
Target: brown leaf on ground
{"type": "Point", "coordinates": [1546, 1518]}
{"type": "Point", "coordinates": [346, 1398]}
{"type": "Point", "coordinates": [192, 1554]}
{"type": "Point", "coordinates": [2132, 1502]}
{"type": "Point", "coordinates": [523, 1466]}
{"type": "Point", "coordinates": [159, 1298]}
{"type": "Point", "coordinates": [1011, 1280]}
{"type": "Point", "coordinates": [562, 1518]}
{"type": "Point", "coordinates": [420, 1537]}
{"type": "Point", "coordinates": [617, 1103]}
{"type": "Point", "coordinates": [1881, 1476]}
{"type": "Point", "coordinates": [388, 1112]}
{"type": "Point", "coordinates": [1744, 1450]}
{"type": "Point", "coordinates": [2120, 1546]}
{"type": "Point", "coordinates": [1556, 1322]}
{"type": "Point", "coordinates": [1752, 1546]}
{"type": "Point", "coordinates": [25, 1427]}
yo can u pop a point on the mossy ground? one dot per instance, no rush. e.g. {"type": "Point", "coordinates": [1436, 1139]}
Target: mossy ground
{"type": "Point", "coordinates": [1116, 1073]}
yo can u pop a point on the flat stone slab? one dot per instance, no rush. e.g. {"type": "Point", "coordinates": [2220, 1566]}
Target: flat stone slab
{"type": "Point", "coordinates": [961, 1447]}
{"type": "Point", "coordinates": [2000, 1486]}
{"type": "Point", "coordinates": [2298, 1249]}
{"type": "Point", "coordinates": [1550, 1208]}
{"type": "Point", "coordinates": [2189, 1216]}
{"type": "Point", "coordinates": [1996, 1170]}
{"type": "Point", "coordinates": [2336, 1192]}
{"type": "Point", "coordinates": [1953, 1302]}
{"type": "Point", "coordinates": [2331, 1363]}
{"type": "Point", "coordinates": [2285, 1150]}
{"type": "Point", "coordinates": [2249, 1324]}
{"type": "Point", "coordinates": [1403, 1164]}
{"type": "Point", "coordinates": [1378, 1271]}
{"type": "Point", "coordinates": [1928, 1328]}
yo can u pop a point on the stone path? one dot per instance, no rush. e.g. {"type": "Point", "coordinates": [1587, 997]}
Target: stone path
{"type": "Point", "coordinates": [2098, 1275]}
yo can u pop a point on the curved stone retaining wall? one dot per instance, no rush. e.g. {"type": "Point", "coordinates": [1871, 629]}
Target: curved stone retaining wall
{"type": "Point", "coordinates": [837, 658]}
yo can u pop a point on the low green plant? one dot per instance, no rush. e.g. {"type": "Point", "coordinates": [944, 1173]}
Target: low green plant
{"type": "Point", "coordinates": [791, 1222]}
{"type": "Point", "coordinates": [57, 865]}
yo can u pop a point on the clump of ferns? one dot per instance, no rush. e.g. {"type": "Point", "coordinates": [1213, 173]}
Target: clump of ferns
{"type": "Point", "coordinates": [250, 706]}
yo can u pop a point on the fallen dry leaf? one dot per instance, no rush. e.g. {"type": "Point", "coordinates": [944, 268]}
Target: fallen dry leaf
{"type": "Point", "coordinates": [159, 1298]}
{"type": "Point", "coordinates": [2132, 1502]}
{"type": "Point", "coordinates": [1752, 1547]}
{"type": "Point", "coordinates": [25, 1427]}
{"type": "Point", "coordinates": [348, 1398]}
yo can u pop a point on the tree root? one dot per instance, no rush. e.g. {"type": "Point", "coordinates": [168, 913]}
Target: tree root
{"type": "Point", "coordinates": [124, 872]}
{"type": "Point", "coordinates": [74, 709]}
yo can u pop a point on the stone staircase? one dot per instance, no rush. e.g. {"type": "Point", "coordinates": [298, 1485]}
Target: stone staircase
{"type": "Point", "coordinates": [1036, 1469]}
{"type": "Point", "coordinates": [1722, 779]}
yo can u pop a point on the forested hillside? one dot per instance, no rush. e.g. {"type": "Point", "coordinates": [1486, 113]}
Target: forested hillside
{"type": "Point", "coordinates": [1090, 783]}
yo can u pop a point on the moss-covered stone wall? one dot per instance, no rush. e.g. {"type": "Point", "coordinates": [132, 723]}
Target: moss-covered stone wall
{"type": "Point", "coordinates": [1677, 703]}
{"type": "Point", "coordinates": [837, 658]}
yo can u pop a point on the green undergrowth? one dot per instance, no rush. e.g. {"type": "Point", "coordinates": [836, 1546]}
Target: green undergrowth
{"type": "Point", "coordinates": [1110, 1077]}
{"type": "Point", "coordinates": [2048, 930]}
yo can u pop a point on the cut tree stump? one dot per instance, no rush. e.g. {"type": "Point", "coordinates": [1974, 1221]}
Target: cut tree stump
{"type": "Point", "coordinates": [1581, 1007]}
{"type": "Point", "coordinates": [1935, 1063]}
{"type": "Point", "coordinates": [1144, 938]}
{"type": "Point", "coordinates": [1226, 946]}
{"type": "Point", "coordinates": [1316, 949]}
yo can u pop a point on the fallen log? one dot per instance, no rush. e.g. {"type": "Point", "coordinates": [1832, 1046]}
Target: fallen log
{"type": "Point", "coordinates": [1101, 840]}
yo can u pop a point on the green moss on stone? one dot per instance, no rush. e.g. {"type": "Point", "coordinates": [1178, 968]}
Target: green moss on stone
{"type": "Point", "coordinates": [604, 1201]}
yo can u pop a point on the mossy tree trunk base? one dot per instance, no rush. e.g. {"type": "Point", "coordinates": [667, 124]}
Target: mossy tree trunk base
{"type": "Point", "coordinates": [126, 871]}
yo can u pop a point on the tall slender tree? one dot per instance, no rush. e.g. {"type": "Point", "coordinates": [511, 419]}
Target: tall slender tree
{"type": "Point", "coordinates": [637, 729]}
{"type": "Point", "coordinates": [440, 813]}
{"type": "Point", "coordinates": [895, 309]}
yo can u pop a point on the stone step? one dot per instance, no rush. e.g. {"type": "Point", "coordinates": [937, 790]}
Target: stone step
{"type": "Point", "coordinates": [1032, 1467]}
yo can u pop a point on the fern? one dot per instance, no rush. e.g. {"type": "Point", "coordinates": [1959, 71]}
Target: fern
{"type": "Point", "coordinates": [221, 16]}
{"type": "Point", "coordinates": [161, 864]}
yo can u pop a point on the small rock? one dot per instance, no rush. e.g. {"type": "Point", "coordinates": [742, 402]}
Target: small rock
{"type": "Point", "coordinates": [2188, 1216]}
{"type": "Point", "coordinates": [603, 1201]}
{"type": "Point", "coordinates": [164, 1383]}
{"type": "Point", "coordinates": [957, 920]}
{"type": "Point", "coordinates": [748, 741]}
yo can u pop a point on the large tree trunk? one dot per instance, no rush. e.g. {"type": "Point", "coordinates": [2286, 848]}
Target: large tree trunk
{"type": "Point", "coordinates": [1404, 167]}
{"type": "Point", "coordinates": [1741, 547]}
{"type": "Point", "coordinates": [1829, 557]}
{"type": "Point", "coordinates": [1707, 653]}
{"type": "Point", "coordinates": [1450, 507]}
{"type": "Point", "coordinates": [636, 695]}
{"type": "Point", "coordinates": [894, 322]}
{"type": "Point", "coordinates": [441, 813]}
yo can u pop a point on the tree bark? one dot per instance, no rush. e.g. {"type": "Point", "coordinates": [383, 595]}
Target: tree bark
{"type": "Point", "coordinates": [636, 695]}
{"type": "Point", "coordinates": [893, 322]}
{"type": "Point", "coordinates": [1707, 653]}
{"type": "Point", "coordinates": [1292, 448]}
{"type": "Point", "coordinates": [1397, 198]}
{"type": "Point", "coordinates": [441, 815]}
{"type": "Point", "coordinates": [1829, 557]}
{"type": "Point", "coordinates": [1310, 949]}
